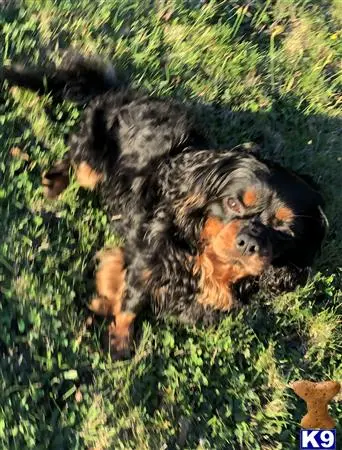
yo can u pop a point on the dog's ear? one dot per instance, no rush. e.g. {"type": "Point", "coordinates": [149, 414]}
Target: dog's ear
{"type": "Point", "coordinates": [309, 181]}
{"type": "Point", "coordinates": [310, 244]}
{"type": "Point", "coordinates": [315, 221]}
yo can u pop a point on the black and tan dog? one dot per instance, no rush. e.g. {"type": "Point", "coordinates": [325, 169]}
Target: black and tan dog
{"type": "Point", "coordinates": [204, 228]}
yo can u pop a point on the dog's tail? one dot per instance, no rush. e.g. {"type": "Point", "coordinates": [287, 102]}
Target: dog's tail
{"type": "Point", "coordinates": [77, 79]}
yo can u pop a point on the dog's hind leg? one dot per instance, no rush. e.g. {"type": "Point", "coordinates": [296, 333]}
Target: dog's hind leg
{"type": "Point", "coordinates": [110, 283]}
{"type": "Point", "coordinates": [121, 296]}
{"type": "Point", "coordinates": [111, 286]}
{"type": "Point", "coordinates": [133, 300]}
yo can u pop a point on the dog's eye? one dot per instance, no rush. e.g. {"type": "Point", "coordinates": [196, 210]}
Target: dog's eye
{"type": "Point", "coordinates": [233, 204]}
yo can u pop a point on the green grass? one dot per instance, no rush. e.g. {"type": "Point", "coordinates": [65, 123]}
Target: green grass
{"type": "Point", "coordinates": [268, 72]}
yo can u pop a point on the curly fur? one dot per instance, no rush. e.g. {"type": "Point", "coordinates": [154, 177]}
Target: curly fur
{"type": "Point", "coordinates": [159, 174]}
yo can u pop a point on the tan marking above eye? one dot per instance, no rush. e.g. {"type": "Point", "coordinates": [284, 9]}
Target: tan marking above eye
{"type": "Point", "coordinates": [249, 198]}
{"type": "Point", "coordinates": [284, 214]}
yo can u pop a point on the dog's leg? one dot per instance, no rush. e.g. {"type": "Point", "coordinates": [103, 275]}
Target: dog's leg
{"type": "Point", "coordinates": [87, 177]}
{"type": "Point", "coordinates": [133, 300]}
{"type": "Point", "coordinates": [112, 290]}
{"type": "Point", "coordinates": [56, 179]}
{"type": "Point", "coordinates": [120, 335]}
{"type": "Point", "coordinates": [110, 283]}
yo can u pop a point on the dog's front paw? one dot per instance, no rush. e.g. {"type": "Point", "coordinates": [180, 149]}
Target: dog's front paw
{"type": "Point", "coordinates": [56, 179]}
{"type": "Point", "coordinates": [120, 348]}
{"type": "Point", "coordinates": [120, 339]}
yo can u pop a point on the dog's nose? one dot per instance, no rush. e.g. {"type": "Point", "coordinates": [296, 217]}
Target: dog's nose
{"type": "Point", "coordinates": [252, 240]}
{"type": "Point", "coordinates": [247, 244]}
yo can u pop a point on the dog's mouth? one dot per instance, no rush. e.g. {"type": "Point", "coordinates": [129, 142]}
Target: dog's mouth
{"type": "Point", "coordinates": [254, 265]}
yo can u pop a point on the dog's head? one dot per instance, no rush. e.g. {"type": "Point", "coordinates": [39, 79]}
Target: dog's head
{"type": "Point", "coordinates": [254, 218]}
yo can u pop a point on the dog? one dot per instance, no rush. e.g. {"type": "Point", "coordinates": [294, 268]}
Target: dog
{"type": "Point", "coordinates": [204, 228]}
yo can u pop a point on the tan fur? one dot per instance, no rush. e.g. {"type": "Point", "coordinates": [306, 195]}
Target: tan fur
{"type": "Point", "coordinates": [120, 335]}
{"type": "Point", "coordinates": [220, 264]}
{"type": "Point", "coordinates": [56, 179]}
{"type": "Point", "coordinates": [284, 214]}
{"type": "Point", "coordinates": [249, 198]}
{"type": "Point", "coordinates": [102, 306]}
{"type": "Point", "coordinates": [123, 323]}
{"type": "Point", "coordinates": [87, 177]}
{"type": "Point", "coordinates": [110, 283]}
{"type": "Point", "coordinates": [16, 152]}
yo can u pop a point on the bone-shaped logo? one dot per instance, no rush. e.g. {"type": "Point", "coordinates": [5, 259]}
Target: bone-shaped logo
{"type": "Point", "coordinates": [317, 397]}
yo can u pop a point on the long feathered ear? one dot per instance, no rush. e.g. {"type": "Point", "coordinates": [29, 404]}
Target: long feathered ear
{"type": "Point", "coordinates": [168, 228]}
{"type": "Point", "coordinates": [314, 225]}
{"type": "Point", "coordinates": [319, 225]}
{"type": "Point", "coordinates": [310, 243]}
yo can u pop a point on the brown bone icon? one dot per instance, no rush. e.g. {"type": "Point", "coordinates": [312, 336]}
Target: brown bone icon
{"type": "Point", "coordinates": [317, 397]}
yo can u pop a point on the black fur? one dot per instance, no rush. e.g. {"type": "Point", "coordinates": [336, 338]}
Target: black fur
{"type": "Point", "coordinates": [153, 159]}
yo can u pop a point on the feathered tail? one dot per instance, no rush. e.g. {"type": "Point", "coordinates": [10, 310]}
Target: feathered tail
{"type": "Point", "coordinates": [77, 79]}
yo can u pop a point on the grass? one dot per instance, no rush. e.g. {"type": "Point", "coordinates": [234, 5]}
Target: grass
{"type": "Point", "coordinates": [264, 71]}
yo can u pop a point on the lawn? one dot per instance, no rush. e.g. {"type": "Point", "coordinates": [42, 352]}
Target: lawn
{"type": "Point", "coordinates": [262, 71]}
